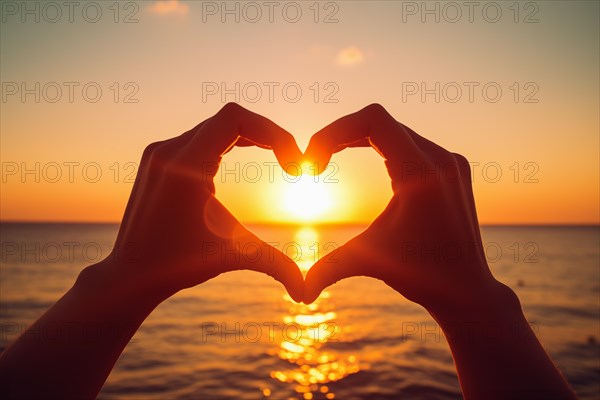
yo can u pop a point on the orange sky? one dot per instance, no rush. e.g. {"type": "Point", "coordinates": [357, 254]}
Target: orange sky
{"type": "Point", "coordinates": [541, 133]}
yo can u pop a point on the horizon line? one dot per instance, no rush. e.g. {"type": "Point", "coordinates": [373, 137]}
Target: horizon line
{"type": "Point", "coordinates": [300, 223]}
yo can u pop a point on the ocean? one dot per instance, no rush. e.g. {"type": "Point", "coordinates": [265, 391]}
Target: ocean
{"type": "Point", "coordinates": [239, 336]}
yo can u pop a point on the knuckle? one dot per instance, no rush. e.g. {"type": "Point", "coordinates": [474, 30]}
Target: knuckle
{"type": "Point", "coordinates": [156, 156]}
{"type": "Point", "coordinates": [149, 151]}
{"type": "Point", "coordinates": [461, 160]}
{"type": "Point", "coordinates": [376, 110]}
{"type": "Point", "coordinates": [463, 164]}
{"type": "Point", "coordinates": [230, 110]}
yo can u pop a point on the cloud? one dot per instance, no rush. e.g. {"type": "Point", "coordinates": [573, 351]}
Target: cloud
{"type": "Point", "coordinates": [350, 56]}
{"type": "Point", "coordinates": [168, 7]}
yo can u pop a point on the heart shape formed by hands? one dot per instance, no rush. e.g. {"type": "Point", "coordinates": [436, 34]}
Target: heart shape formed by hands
{"type": "Point", "coordinates": [428, 214]}
{"type": "Point", "coordinates": [187, 236]}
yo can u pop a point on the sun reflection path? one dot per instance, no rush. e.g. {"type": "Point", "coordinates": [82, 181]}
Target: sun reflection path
{"type": "Point", "coordinates": [312, 366]}
{"type": "Point", "coordinates": [306, 248]}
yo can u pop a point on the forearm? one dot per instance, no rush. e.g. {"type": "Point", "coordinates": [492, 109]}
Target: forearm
{"type": "Point", "coordinates": [496, 353]}
{"type": "Point", "coordinates": [70, 351]}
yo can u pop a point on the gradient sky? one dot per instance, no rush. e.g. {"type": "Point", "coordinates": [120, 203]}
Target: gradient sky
{"type": "Point", "coordinates": [372, 54]}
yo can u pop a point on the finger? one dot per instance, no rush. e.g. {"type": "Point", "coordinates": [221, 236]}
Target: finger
{"type": "Point", "coordinates": [234, 121]}
{"type": "Point", "coordinates": [364, 142]}
{"type": "Point", "coordinates": [372, 123]}
{"type": "Point", "coordinates": [256, 255]}
{"type": "Point", "coordinates": [351, 259]}
{"type": "Point", "coordinates": [244, 250]}
{"type": "Point", "coordinates": [243, 142]}
{"type": "Point", "coordinates": [187, 136]}
{"type": "Point", "coordinates": [426, 145]}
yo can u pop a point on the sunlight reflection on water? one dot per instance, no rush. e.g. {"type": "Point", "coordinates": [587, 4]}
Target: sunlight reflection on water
{"type": "Point", "coordinates": [386, 339]}
{"type": "Point", "coordinates": [311, 365]}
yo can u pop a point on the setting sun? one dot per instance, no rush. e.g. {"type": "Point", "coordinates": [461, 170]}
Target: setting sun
{"type": "Point", "coordinates": [308, 197]}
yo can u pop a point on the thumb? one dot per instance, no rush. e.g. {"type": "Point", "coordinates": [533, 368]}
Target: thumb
{"type": "Point", "coordinates": [256, 255]}
{"type": "Point", "coordinates": [245, 250]}
{"type": "Point", "coordinates": [344, 262]}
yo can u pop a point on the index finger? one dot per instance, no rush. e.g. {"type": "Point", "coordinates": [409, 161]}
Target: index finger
{"type": "Point", "coordinates": [373, 125]}
{"type": "Point", "coordinates": [233, 122]}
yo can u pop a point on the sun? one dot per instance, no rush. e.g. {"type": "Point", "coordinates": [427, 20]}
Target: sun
{"type": "Point", "coordinates": [307, 197]}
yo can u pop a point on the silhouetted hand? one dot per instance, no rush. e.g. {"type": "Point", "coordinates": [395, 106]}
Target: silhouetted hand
{"type": "Point", "coordinates": [174, 233]}
{"type": "Point", "coordinates": [426, 243]}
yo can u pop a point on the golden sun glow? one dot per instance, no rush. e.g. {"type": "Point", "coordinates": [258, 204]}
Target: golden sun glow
{"type": "Point", "coordinates": [307, 196]}
{"type": "Point", "coordinates": [308, 242]}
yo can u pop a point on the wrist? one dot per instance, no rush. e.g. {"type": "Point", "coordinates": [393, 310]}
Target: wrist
{"type": "Point", "coordinates": [492, 305]}
{"type": "Point", "coordinates": [119, 288]}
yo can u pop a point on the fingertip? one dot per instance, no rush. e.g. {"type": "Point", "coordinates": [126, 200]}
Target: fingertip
{"type": "Point", "coordinates": [288, 155]}
{"type": "Point", "coordinates": [315, 162]}
{"type": "Point", "coordinates": [318, 153]}
{"type": "Point", "coordinates": [342, 263]}
{"type": "Point", "coordinates": [310, 297]}
{"type": "Point", "coordinates": [313, 285]}
{"type": "Point", "coordinates": [289, 275]}
{"type": "Point", "coordinates": [292, 167]}
{"type": "Point", "coordinates": [297, 295]}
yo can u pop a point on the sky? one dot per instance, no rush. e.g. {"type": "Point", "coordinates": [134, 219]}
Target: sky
{"type": "Point", "coordinates": [513, 86]}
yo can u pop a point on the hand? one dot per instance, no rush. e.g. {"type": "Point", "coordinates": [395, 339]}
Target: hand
{"type": "Point", "coordinates": [426, 243]}
{"type": "Point", "coordinates": [175, 234]}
